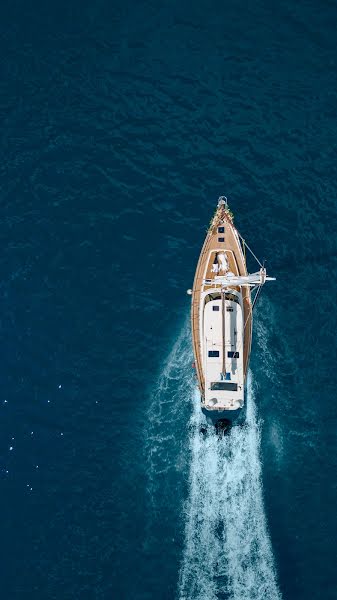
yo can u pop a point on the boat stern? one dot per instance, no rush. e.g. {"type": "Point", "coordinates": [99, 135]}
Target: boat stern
{"type": "Point", "coordinates": [223, 420]}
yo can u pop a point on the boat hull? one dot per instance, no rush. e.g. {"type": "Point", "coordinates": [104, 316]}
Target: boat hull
{"type": "Point", "coordinates": [216, 241]}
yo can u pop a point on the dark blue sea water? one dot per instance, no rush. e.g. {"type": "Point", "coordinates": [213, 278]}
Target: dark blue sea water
{"type": "Point", "coordinates": [122, 123]}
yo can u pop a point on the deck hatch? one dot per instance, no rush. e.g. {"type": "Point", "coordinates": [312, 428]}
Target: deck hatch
{"type": "Point", "coordinates": [221, 230]}
{"type": "Point", "coordinates": [216, 307]}
{"type": "Point", "coordinates": [213, 353]}
{"type": "Point", "coordinates": [232, 354]}
{"type": "Point", "coordinates": [227, 386]}
{"type": "Point", "coordinates": [222, 239]}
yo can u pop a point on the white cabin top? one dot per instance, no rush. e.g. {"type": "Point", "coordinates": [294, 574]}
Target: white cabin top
{"type": "Point", "coordinates": [222, 349]}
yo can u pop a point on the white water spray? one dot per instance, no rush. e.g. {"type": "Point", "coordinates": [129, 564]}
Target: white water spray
{"type": "Point", "coordinates": [227, 550]}
{"type": "Point", "coordinates": [168, 416]}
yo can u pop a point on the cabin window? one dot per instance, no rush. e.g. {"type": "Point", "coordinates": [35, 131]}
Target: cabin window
{"type": "Point", "coordinates": [221, 230]}
{"type": "Point", "coordinates": [231, 354]}
{"type": "Point", "coordinates": [215, 296]}
{"type": "Point", "coordinates": [216, 307]}
{"type": "Point", "coordinates": [221, 239]}
{"type": "Point", "coordinates": [213, 353]}
{"type": "Point", "coordinates": [232, 297]}
{"type": "Point", "coordinates": [225, 386]}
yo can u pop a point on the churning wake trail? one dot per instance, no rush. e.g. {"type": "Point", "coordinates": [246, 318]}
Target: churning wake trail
{"type": "Point", "coordinates": [227, 553]}
{"type": "Point", "coordinates": [165, 443]}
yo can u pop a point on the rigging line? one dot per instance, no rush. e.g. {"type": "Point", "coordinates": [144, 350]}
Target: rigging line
{"type": "Point", "coordinates": [250, 250]}
{"type": "Point", "coordinates": [246, 245]}
{"type": "Point", "coordinates": [253, 304]}
{"type": "Point", "coordinates": [244, 242]}
{"type": "Point", "coordinates": [250, 312]}
{"type": "Point", "coordinates": [256, 296]}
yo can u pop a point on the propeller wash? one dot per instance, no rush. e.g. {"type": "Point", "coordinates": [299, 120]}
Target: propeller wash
{"type": "Point", "coordinates": [227, 553]}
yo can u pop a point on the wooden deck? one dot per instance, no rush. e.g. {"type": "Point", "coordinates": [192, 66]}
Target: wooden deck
{"type": "Point", "coordinates": [237, 265]}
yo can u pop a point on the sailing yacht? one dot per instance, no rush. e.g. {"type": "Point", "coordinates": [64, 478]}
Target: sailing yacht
{"type": "Point", "coordinates": [223, 298]}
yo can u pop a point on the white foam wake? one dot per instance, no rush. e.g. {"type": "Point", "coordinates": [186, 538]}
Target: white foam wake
{"type": "Point", "coordinates": [227, 552]}
{"type": "Point", "coordinates": [167, 419]}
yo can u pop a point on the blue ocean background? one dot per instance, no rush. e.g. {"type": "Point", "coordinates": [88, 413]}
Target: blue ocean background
{"type": "Point", "coordinates": [122, 123]}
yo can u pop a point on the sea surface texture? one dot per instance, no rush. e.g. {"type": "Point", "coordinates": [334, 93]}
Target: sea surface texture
{"type": "Point", "coordinates": [121, 124]}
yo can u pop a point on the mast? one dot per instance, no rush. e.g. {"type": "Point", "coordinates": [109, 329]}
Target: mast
{"type": "Point", "coordinates": [223, 332]}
